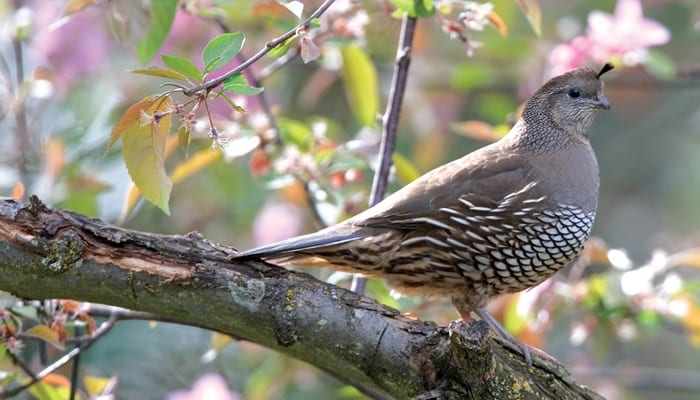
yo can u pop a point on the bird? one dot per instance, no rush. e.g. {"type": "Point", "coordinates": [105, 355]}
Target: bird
{"type": "Point", "coordinates": [498, 220]}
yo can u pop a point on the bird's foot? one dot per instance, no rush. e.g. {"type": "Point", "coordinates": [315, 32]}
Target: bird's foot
{"type": "Point", "coordinates": [503, 333]}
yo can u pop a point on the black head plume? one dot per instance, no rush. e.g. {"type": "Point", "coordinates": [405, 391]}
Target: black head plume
{"type": "Point", "coordinates": [607, 67]}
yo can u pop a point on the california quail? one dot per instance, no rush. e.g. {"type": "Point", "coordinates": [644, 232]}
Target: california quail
{"type": "Point", "coordinates": [499, 220]}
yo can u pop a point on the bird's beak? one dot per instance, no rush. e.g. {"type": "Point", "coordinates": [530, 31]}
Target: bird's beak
{"type": "Point", "coordinates": [603, 101]}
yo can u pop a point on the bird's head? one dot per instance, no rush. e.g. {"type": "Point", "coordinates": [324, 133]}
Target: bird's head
{"type": "Point", "coordinates": [570, 101]}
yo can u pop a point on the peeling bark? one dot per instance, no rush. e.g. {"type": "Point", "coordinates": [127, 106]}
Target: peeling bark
{"type": "Point", "coordinates": [46, 253]}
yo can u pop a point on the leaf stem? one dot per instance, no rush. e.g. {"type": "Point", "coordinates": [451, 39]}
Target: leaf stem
{"type": "Point", "coordinates": [207, 86]}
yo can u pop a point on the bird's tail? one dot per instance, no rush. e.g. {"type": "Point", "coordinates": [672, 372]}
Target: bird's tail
{"type": "Point", "coordinates": [300, 246]}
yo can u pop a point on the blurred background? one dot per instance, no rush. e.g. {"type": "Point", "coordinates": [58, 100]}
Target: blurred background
{"type": "Point", "coordinates": [625, 318]}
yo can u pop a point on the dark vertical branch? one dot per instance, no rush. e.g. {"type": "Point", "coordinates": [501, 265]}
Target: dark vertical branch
{"type": "Point", "coordinates": [390, 122]}
{"type": "Point", "coordinates": [75, 369]}
{"type": "Point", "coordinates": [22, 132]}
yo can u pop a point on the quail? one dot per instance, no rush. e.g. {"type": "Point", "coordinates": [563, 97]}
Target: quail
{"type": "Point", "coordinates": [499, 220]}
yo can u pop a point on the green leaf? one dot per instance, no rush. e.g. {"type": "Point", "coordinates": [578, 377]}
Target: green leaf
{"type": "Point", "coordinates": [231, 103]}
{"type": "Point", "coordinates": [512, 320]}
{"type": "Point", "coordinates": [405, 170]}
{"type": "Point", "coordinates": [649, 319]}
{"type": "Point", "coordinates": [471, 75]}
{"type": "Point", "coordinates": [415, 8]}
{"type": "Point", "coordinates": [43, 391]}
{"type": "Point", "coordinates": [163, 12]}
{"type": "Point", "coordinates": [660, 65]}
{"type": "Point", "coordinates": [532, 10]}
{"type": "Point", "coordinates": [315, 23]}
{"type": "Point", "coordinates": [183, 66]}
{"type": "Point", "coordinates": [143, 147]}
{"type": "Point", "coordinates": [282, 48]}
{"type": "Point", "coordinates": [161, 72]}
{"type": "Point", "coordinates": [294, 132]}
{"type": "Point", "coordinates": [221, 50]}
{"type": "Point", "coordinates": [237, 83]}
{"type": "Point", "coordinates": [360, 80]}
{"type": "Point", "coordinates": [378, 290]}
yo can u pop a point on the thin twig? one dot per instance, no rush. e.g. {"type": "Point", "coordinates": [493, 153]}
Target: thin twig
{"type": "Point", "coordinates": [268, 47]}
{"type": "Point", "coordinates": [23, 366]}
{"type": "Point", "coordinates": [101, 331]}
{"type": "Point", "coordinates": [311, 201]}
{"type": "Point", "coordinates": [278, 63]}
{"type": "Point", "coordinates": [390, 123]}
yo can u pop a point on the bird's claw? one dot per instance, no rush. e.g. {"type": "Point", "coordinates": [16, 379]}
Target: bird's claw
{"type": "Point", "coordinates": [503, 333]}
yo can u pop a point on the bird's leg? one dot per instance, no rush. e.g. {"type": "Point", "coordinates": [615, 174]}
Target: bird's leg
{"type": "Point", "coordinates": [503, 333]}
{"type": "Point", "coordinates": [466, 315]}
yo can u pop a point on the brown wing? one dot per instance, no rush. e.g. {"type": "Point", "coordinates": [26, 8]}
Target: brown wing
{"type": "Point", "coordinates": [470, 180]}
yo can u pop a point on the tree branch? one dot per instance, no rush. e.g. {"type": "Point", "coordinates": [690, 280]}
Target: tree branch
{"type": "Point", "coordinates": [47, 253]}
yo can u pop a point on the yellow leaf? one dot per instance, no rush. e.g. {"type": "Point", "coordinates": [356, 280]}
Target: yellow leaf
{"type": "Point", "coordinates": [184, 138]}
{"type": "Point", "coordinates": [198, 161]}
{"type": "Point", "coordinates": [161, 73]}
{"type": "Point", "coordinates": [498, 22]}
{"type": "Point", "coordinates": [479, 130]}
{"type": "Point", "coordinates": [219, 341]}
{"type": "Point", "coordinates": [687, 258]}
{"type": "Point", "coordinates": [295, 193]}
{"type": "Point", "coordinates": [130, 119]}
{"type": "Point", "coordinates": [531, 9]}
{"type": "Point", "coordinates": [172, 144]}
{"type": "Point", "coordinates": [691, 318]}
{"type": "Point", "coordinates": [57, 380]}
{"type": "Point", "coordinates": [96, 385]}
{"type": "Point", "coordinates": [74, 6]}
{"type": "Point", "coordinates": [143, 148]}
{"type": "Point", "coordinates": [46, 334]}
{"type": "Point", "coordinates": [268, 8]}
{"type": "Point", "coordinates": [405, 170]}
{"type": "Point", "coordinates": [360, 81]}
{"type": "Point", "coordinates": [18, 191]}
{"type": "Point", "coordinates": [132, 196]}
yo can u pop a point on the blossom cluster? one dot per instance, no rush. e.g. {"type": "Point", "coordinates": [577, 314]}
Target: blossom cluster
{"type": "Point", "coordinates": [624, 37]}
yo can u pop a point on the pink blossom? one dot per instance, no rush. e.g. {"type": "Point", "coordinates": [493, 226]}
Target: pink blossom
{"type": "Point", "coordinates": [624, 32]}
{"type": "Point", "coordinates": [565, 57]}
{"type": "Point", "coordinates": [74, 46]}
{"type": "Point", "coordinates": [209, 386]}
{"type": "Point", "coordinates": [625, 35]}
{"type": "Point", "coordinates": [277, 221]}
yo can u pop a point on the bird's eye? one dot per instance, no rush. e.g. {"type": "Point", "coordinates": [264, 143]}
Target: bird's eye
{"type": "Point", "coordinates": [574, 93]}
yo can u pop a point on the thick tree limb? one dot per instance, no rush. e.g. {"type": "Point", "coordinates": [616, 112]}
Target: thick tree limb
{"type": "Point", "coordinates": [47, 253]}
